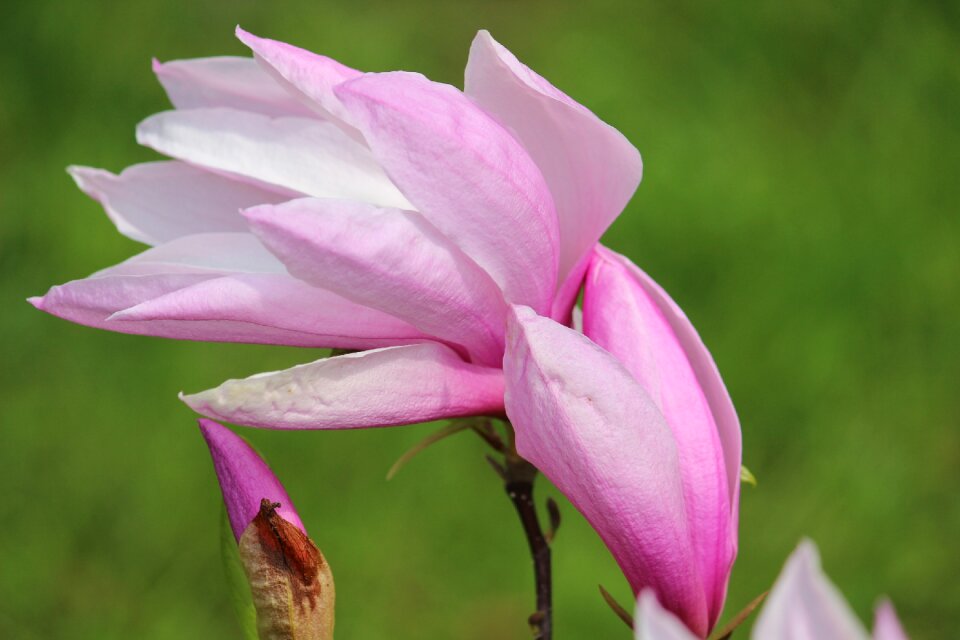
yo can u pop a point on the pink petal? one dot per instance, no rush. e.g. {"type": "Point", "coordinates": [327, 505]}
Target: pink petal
{"type": "Point", "coordinates": [590, 168]}
{"type": "Point", "coordinates": [238, 83]}
{"type": "Point", "coordinates": [245, 479]}
{"type": "Point", "coordinates": [567, 292]}
{"type": "Point", "coordinates": [269, 309]}
{"type": "Point", "coordinates": [391, 260]}
{"type": "Point", "coordinates": [255, 309]}
{"type": "Point", "coordinates": [583, 420]}
{"type": "Point", "coordinates": [630, 316]}
{"type": "Point", "coordinates": [92, 301]}
{"type": "Point", "coordinates": [160, 201]}
{"type": "Point", "coordinates": [465, 174]}
{"type": "Point", "coordinates": [296, 155]}
{"type": "Point", "coordinates": [383, 387]}
{"type": "Point", "coordinates": [302, 72]}
{"type": "Point", "coordinates": [886, 625]}
{"type": "Point", "coordinates": [224, 288]}
{"type": "Point", "coordinates": [804, 605]}
{"type": "Point", "coordinates": [653, 622]}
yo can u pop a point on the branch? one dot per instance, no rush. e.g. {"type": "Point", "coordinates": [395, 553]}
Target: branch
{"type": "Point", "coordinates": [518, 482]}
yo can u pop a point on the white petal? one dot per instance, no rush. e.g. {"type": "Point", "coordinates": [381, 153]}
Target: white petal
{"type": "Point", "coordinates": [653, 622]}
{"type": "Point", "coordinates": [396, 385]}
{"type": "Point", "coordinates": [804, 604]}
{"type": "Point", "coordinates": [299, 155]}
{"type": "Point", "coordinates": [216, 253]}
{"type": "Point", "coordinates": [226, 81]}
{"type": "Point", "coordinates": [156, 202]}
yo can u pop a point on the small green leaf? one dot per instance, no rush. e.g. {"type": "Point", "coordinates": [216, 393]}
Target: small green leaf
{"type": "Point", "coordinates": [239, 588]}
{"type": "Point", "coordinates": [746, 476]}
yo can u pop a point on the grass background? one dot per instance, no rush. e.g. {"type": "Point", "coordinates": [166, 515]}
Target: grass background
{"type": "Point", "coordinates": [800, 201]}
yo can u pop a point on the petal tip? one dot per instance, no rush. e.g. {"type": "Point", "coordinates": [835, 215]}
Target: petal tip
{"type": "Point", "coordinates": [192, 400]}
{"type": "Point", "coordinates": [206, 403]}
{"type": "Point", "coordinates": [146, 130]}
{"type": "Point", "coordinates": [205, 423]}
{"type": "Point", "coordinates": [522, 312]}
{"type": "Point", "coordinates": [258, 213]}
{"type": "Point", "coordinates": [118, 316]}
{"type": "Point", "coordinates": [79, 172]}
{"type": "Point", "coordinates": [254, 42]}
{"type": "Point", "coordinates": [260, 218]}
{"type": "Point", "coordinates": [887, 625]}
{"type": "Point", "coordinates": [209, 428]}
{"type": "Point", "coordinates": [483, 37]}
{"type": "Point", "coordinates": [807, 552]}
{"type": "Point", "coordinates": [88, 179]}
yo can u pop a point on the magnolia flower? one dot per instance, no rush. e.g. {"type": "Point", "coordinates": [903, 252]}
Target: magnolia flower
{"type": "Point", "coordinates": [310, 204]}
{"type": "Point", "coordinates": [289, 578]}
{"type": "Point", "coordinates": [803, 605]}
{"type": "Point", "coordinates": [444, 236]}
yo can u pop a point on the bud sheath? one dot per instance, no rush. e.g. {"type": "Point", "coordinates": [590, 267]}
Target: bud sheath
{"type": "Point", "coordinates": [291, 582]}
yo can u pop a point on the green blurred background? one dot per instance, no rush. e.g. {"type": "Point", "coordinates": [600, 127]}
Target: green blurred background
{"type": "Point", "coordinates": [800, 201]}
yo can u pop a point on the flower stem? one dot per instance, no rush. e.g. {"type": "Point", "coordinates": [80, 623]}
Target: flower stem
{"type": "Point", "coordinates": [518, 481]}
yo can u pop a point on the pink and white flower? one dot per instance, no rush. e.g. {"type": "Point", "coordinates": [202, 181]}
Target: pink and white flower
{"type": "Point", "coordinates": [444, 235]}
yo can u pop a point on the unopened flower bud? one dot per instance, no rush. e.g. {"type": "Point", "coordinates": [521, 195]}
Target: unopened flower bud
{"type": "Point", "coordinates": [290, 581]}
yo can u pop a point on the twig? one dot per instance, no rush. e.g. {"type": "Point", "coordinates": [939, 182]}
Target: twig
{"type": "Point", "coordinates": [519, 476]}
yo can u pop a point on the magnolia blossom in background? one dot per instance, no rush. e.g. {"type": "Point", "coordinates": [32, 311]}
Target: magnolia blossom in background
{"type": "Point", "coordinates": [289, 578]}
{"type": "Point", "coordinates": [803, 605]}
{"type": "Point", "coordinates": [444, 235]}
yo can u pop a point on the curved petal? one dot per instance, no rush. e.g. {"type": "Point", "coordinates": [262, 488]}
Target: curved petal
{"type": "Point", "coordinates": [223, 288]}
{"type": "Point", "coordinates": [303, 72]}
{"type": "Point", "coordinates": [245, 479]}
{"type": "Point", "coordinates": [465, 174]}
{"type": "Point", "coordinates": [583, 420]}
{"type": "Point", "coordinates": [804, 605]}
{"type": "Point", "coordinates": [591, 168]}
{"type": "Point", "coordinates": [226, 81]}
{"type": "Point", "coordinates": [297, 155]}
{"type": "Point", "coordinates": [216, 253]}
{"type": "Point", "coordinates": [391, 260]}
{"type": "Point", "coordinates": [886, 625]}
{"type": "Point", "coordinates": [156, 202]}
{"type": "Point", "coordinates": [383, 387]}
{"type": "Point", "coordinates": [92, 301]}
{"type": "Point", "coordinates": [653, 622]}
{"type": "Point", "coordinates": [277, 309]}
{"type": "Point", "coordinates": [255, 309]}
{"type": "Point", "coordinates": [627, 314]}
